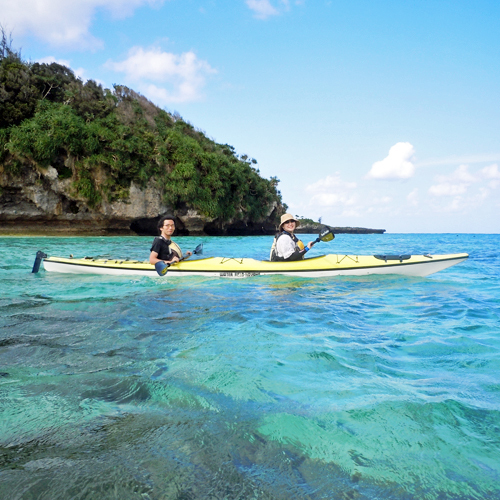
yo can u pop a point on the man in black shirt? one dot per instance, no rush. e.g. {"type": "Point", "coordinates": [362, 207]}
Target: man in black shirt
{"type": "Point", "coordinates": [163, 248]}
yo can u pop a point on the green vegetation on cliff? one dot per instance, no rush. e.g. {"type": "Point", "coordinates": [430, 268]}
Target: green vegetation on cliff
{"type": "Point", "coordinates": [103, 140]}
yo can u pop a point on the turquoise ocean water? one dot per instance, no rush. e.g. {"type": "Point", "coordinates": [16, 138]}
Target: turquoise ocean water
{"type": "Point", "coordinates": [259, 388]}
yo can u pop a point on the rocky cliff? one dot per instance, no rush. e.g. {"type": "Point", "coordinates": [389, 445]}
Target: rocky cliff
{"type": "Point", "coordinates": [39, 202]}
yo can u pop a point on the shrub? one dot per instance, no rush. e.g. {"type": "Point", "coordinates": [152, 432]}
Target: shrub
{"type": "Point", "coordinates": [114, 138]}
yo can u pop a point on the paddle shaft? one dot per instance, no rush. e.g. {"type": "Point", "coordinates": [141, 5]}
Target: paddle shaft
{"type": "Point", "coordinates": [162, 268]}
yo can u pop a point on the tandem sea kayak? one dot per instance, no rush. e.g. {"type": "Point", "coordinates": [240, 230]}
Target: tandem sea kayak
{"type": "Point", "coordinates": [222, 267]}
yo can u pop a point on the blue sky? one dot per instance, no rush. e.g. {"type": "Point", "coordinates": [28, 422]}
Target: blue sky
{"type": "Point", "coordinates": [381, 114]}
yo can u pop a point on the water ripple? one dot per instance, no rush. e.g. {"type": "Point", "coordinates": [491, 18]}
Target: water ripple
{"type": "Point", "coordinates": [278, 388]}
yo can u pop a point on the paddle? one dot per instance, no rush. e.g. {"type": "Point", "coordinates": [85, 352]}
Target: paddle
{"type": "Point", "coordinates": [162, 268]}
{"type": "Point", "coordinates": [326, 234]}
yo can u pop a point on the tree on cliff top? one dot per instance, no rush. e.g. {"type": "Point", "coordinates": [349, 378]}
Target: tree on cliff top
{"type": "Point", "coordinates": [104, 140]}
{"type": "Point", "coordinates": [18, 95]}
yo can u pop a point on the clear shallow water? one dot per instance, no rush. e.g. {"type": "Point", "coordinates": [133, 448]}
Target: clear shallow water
{"type": "Point", "coordinates": [266, 387]}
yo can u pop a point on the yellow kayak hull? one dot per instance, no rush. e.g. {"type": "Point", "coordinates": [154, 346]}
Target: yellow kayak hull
{"type": "Point", "coordinates": [222, 267]}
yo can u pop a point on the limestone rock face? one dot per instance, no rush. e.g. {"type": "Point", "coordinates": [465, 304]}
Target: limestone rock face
{"type": "Point", "coordinates": [39, 202]}
{"type": "Point", "coordinates": [142, 203]}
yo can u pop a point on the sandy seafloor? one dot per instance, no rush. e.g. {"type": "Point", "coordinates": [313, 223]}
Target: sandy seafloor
{"type": "Point", "coordinates": [377, 387]}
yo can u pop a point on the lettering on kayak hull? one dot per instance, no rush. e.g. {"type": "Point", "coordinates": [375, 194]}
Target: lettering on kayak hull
{"type": "Point", "coordinates": [238, 274]}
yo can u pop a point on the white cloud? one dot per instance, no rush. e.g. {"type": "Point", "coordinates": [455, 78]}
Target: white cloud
{"type": "Point", "coordinates": [492, 174]}
{"type": "Point", "coordinates": [332, 194]}
{"type": "Point", "coordinates": [479, 158]}
{"type": "Point", "coordinates": [332, 191]}
{"type": "Point", "coordinates": [382, 200]}
{"type": "Point", "coordinates": [396, 165]}
{"type": "Point", "coordinates": [412, 198]}
{"type": "Point", "coordinates": [52, 59]}
{"type": "Point", "coordinates": [455, 205]}
{"type": "Point", "coordinates": [483, 194]}
{"type": "Point", "coordinates": [462, 191]}
{"type": "Point", "coordinates": [447, 189]}
{"type": "Point", "coordinates": [185, 74]}
{"type": "Point", "coordinates": [333, 199]}
{"type": "Point", "coordinates": [62, 22]}
{"type": "Point", "coordinates": [453, 184]}
{"type": "Point", "coordinates": [264, 9]}
{"type": "Point", "coordinates": [330, 182]}
{"type": "Point", "coordinates": [460, 175]}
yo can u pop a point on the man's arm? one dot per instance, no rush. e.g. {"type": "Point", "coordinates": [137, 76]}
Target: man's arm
{"type": "Point", "coordinates": [153, 258]}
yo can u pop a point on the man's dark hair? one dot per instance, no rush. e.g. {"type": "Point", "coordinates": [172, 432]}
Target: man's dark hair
{"type": "Point", "coordinates": [162, 221]}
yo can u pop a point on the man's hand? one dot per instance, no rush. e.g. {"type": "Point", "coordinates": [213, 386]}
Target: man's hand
{"type": "Point", "coordinates": [173, 261]}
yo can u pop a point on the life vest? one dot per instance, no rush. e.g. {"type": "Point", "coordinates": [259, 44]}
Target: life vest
{"type": "Point", "coordinates": [298, 246]}
{"type": "Point", "coordinates": [172, 246]}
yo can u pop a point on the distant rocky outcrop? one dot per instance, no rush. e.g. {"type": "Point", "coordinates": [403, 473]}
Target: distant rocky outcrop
{"type": "Point", "coordinates": [312, 228]}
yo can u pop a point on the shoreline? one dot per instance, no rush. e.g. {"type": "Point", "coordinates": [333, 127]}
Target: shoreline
{"type": "Point", "coordinates": [100, 229]}
{"type": "Point", "coordinates": [111, 234]}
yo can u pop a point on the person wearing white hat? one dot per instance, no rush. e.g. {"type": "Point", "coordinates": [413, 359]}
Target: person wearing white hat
{"type": "Point", "coordinates": [286, 246]}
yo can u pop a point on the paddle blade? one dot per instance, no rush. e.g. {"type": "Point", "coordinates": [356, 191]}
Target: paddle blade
{"type": "Point", "coordinates": [161, 268]}
{"type": "Point", "coordinates": [326, 234]}
{"type": "Point", "coordinates": [328, 237]}
{"type": "Point", "coordinates": [199, 249]}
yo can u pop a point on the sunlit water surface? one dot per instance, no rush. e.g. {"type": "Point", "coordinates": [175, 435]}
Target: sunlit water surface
{"type": "Point", "coordinates": [265, 387]}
